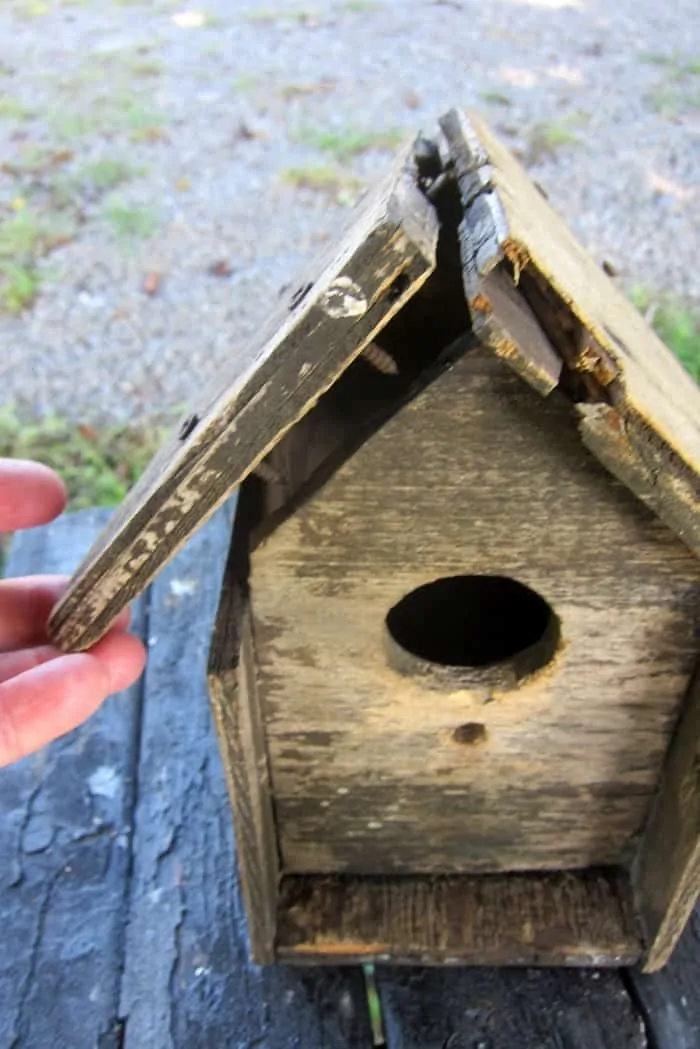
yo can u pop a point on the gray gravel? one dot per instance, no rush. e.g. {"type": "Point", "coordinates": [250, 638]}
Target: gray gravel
{"type": "Point", "coordinates": [214, 117]}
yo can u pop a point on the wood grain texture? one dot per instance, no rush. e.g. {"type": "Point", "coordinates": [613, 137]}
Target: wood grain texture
{"type": "Point", "coordinates": [652, 440]}
{"type": "Point", "coordinates": [386, 256]}
{"type": "Point", "coordinates": [65, 850]}
{"type": "Point", "coordinates": [508, 1009]}
{"type": "Point", "coordinates": [366, 776]}
{"type": "Point", "coordinates": [525, 919]}
{"type": "Point", "coordinates": [238, 710]}
{"type": "Point", "coordinates": [666, 869]}
{"type": "Point", "coordinates": [186, 978]}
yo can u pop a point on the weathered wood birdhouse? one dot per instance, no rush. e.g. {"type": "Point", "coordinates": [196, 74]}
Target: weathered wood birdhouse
{"type": "Point", "coordinates": [453, 666]}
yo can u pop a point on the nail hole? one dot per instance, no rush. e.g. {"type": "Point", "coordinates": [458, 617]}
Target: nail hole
{"type": "Point", "coordinates": [399, 287]}
{"type": "Point", "coordinates": [472, 732]}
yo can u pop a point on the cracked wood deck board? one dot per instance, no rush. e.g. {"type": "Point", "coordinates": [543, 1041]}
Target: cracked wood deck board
{"type": "Point", "coordinates": [508, 1009]}
{"type": "Point", "coordinates": [65, 816]}
{"type": "Point", "coordinates": [187, 980]}
{"type": "Point", "coordinates": [670, 999]}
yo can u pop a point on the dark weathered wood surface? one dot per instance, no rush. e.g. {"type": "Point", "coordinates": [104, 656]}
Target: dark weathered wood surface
{"type": "Point", "coordinates": [526, 919]}
{"type": "Point", "coordinates": [65, 896]}
{"type": "Point", "coordinates": [65, 851]}
{"type": "Point", "coordinates": [667, 865]}
{"type": "Point", "coordinates": [238, 713]}
{"type": "Point", "coordinates": [508, 1009]}
{"type": "Point", "coordinates": [122, 923]}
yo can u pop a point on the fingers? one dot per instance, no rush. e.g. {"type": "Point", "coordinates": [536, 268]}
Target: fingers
{"type": "Point", "coordinates": [25, 605]}
{"type": "Point", "coordinates": [52, 697]}
{"type": "Point", "coordinates": [12, 664]}
{"type": "Point", "coordinates": [30, 494]}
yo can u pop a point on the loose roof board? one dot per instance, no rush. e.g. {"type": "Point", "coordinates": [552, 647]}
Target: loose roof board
{"type": "Point", "coordinates": [641, 416]}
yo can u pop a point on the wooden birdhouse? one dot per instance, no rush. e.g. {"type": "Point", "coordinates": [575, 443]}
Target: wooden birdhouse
{"type": "Point", "coordinates": [453, 665]}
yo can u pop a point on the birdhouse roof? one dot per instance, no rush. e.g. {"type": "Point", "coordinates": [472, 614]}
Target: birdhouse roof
{"type": "Point", "coordinates": [536, 299]}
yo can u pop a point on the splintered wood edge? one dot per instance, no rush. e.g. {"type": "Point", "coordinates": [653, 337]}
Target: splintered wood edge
{"type": "Point", "coordinates": [300, 357]}
{"type": "Point", "coordinates": [572, 918]}
{"type": "Point", "coordinates": [650, 440]}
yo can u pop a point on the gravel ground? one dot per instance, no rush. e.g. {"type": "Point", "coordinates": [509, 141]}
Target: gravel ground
{"type": "Point", "coordinates": [241, 132]}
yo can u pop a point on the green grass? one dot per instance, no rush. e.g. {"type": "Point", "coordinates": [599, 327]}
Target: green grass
{"type": "Point", "coordinates": [129, 223]}
{"type": "Point", "coordinates": [676, 93]}
{"type": "Point", "coordinates": [114, 113]}
{"type": "Point", "coordinates": [24, 238]}
{"type": "Point", "coordinates": [547, 139]}
{"type": "Point", "coordinates": [675, 323]}
{"type": "Point", "coordinates": [26, 10]}
{"type": "Point", "coordinates": [98, 466]}
{"type": "Point", "coordinates": [360, 6]}
{"type": "Point", "coordinates": [12, 109]}
{"type": "Point", "coordinates": [19, 286]}
{"type": "Point", "coordinates": [145, 67]}
{"type": "Point", "coordinates": [670, 101]}
{"type": "Point", "coordinates": [496, 98]}
{"type": "Point", "coordinates": [345, 143]}
{"type": "Point", "coordinates": [106, 173]}
{"type": "Point", "coordinates": [678, 65]}
{"type": "Point", "coordinates": [267, 15]}
{"type": "Point", "coordinates": [322, 178]}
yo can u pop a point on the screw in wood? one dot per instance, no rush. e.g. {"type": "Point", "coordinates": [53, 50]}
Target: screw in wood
{"type": "Point", "coordinates": [380, 359]}
{"type": "Point", "coordinates": [187, 427]}
{"type": "Point", "coordinates": [299, 296]}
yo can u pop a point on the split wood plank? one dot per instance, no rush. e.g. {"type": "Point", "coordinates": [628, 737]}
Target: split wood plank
{"type": "Point", "coordinates": [385, 258]}
{"type": "Point", "coordinates": [65, 850]}
{"type": "Point", "coordinates": [650, 436]}
{"type": "Point", "coordinates": [508, 1009]}
{"type": "Point", "coordinates": [187, 980]}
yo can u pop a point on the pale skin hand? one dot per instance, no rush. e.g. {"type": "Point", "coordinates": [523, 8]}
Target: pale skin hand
{"type": "Point", "coordinates": [43, 692]}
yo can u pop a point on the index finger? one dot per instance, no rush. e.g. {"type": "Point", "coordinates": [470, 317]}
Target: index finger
{"type": "Point", "coordinates": [30, 494]}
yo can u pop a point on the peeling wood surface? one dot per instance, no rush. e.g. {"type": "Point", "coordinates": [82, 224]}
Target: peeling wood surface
{"type": "Point", "coordinates": [362, 757]}
{"type": "Point", "coordinates": [527, 919]}
{"type": "Point", "coordinates": [656, 385]}
{"type": "Point", "coordinates": [386, 256]}
{"type": "Point", "coordinates": [60, 983]}
{"type": "Point", "coordinates": [666, 870]}
{"type": "Point", "coordinates": [510, 236]}
{"type": "Point", "coordinates": [65, 849]}
{"type": "Point", "coordinates": [238, 709]}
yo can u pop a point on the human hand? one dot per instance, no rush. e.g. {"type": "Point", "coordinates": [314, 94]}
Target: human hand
{"type": "Point", "coordinates": [44, 692]}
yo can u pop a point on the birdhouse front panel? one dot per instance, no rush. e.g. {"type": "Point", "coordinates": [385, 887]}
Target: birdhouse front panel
{"type": "Point", "coordinates": [472, 643]}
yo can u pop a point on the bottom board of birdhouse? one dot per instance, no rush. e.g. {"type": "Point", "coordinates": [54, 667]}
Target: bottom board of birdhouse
{"type": "Point", "coordinates": [572, 918]}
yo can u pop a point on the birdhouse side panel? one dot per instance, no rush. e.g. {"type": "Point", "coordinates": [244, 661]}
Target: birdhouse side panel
{"type": "Point", "coordinates": [386, 756]}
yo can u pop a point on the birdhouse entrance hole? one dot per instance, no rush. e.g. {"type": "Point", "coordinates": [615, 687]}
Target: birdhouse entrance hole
{"type": "Point", "coordinates": [472, 622]}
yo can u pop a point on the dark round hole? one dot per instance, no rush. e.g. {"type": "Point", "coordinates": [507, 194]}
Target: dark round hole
{"type": "Point", "coordinates": [470, 620]}
{"type": "Point", "coordinates": [472, 732]}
